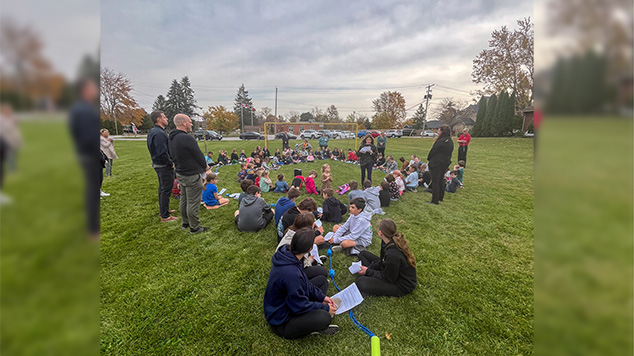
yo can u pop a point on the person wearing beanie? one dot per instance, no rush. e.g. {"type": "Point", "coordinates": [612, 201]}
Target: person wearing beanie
{"type": "Point", "coordinates": [293, 306]}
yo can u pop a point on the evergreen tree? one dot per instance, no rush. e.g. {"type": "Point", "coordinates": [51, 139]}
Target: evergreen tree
{"type": "Point", "coordinates": [189, 100]}
{"type": "Point", "coordinates": [482, 108]}
{"type": "Point", "coordinates": [173, 103]}
{"type": "Point", "coordinates": [243, 106]}
{"type": "Point", "coordinates": [160, 103]}
{"type": "Point", "coordinates": [497, 125]}
{"type": "Point", "coordinates": [419, 117]}
{"type": "Point", "coordinates": [489, 116]}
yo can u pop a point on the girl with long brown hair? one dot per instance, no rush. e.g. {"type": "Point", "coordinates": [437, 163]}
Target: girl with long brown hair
{"type": "Point", "coordinates": [393, 274]}
{"type": "Point", "coordinates": [439, 158]}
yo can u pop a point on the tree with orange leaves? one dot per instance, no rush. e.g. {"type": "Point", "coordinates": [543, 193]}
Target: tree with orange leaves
{"type": "Point", "coordinates": [117, 102]}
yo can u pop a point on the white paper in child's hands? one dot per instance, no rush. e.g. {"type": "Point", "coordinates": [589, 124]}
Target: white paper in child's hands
{"type": "Point", "coordinates": [355, 268]}
{"type": "Point", "coordinates": [222, 191]}
{"type": "Point", "coordinates": [350, 298]}
{"type": "Point", "coordinates": [315, 253]}
{"type": "Point", "coordinates": [318, 223]}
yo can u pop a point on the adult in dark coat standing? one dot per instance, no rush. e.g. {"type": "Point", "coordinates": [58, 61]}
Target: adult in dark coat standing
{"type": "Point", "coordinates": [367, 155]}
{"type": "Point", "coordinates": [439, 158]}
{"type": "Point", "coordinates": [285, 140]}
{"type": "Point", "coordinates": [158, 145]}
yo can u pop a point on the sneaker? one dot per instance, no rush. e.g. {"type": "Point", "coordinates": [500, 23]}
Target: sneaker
{"type": "Point", "coordinates": [104, 194]}
{"type": "Point", "coordinates": [330, 330]}
{"type": "Point", "coordinates": [185, 226]}
{"type": "Point", "coordinates": [337, 248]}
{"type": "Point", "coordinates": [199, 230]}
{"type": "Point", "coordinates": [323, 258]}
{"type": "Point", "coordinates": [5, 199]}
{"type": "Point", "coordinates": [431, 202]}
{"type": "Point", "coordinates": [171, 218]}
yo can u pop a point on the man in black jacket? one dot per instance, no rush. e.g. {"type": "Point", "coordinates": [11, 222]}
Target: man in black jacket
{"type": "Point", "coordinates": [157, 144]}
{"type": "Point", "coordinates": [190, 165]}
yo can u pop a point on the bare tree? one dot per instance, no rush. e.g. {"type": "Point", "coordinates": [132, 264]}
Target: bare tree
{"type": "Point", "coordinates": [117, 102]}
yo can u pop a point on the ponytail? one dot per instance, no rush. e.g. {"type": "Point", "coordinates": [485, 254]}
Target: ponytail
{"type": "Point", "coordinates": [403, 245]}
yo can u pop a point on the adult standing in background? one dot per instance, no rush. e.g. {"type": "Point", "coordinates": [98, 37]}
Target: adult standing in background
{"type": "Point", "coordinates": [190, 165]}
{"type": "Point", "coordinates": [107, 146]}
{"type": "Point", "coordinates": [285, 141]}
{"type": "Point", "coordinates": [158, 145]}
{"type": "Point", "coordinates": [84, 128]}
{"type": "Point", "coordinates": [323, 141]}
{"type": "Point", "coordinates": [463, 145]}
{"type": "Point", "coordinates": [439, 158]}
{"type": "Point", "coordinates": [380, 143]}
{"type": "Point", "coordinates": [367, 155]}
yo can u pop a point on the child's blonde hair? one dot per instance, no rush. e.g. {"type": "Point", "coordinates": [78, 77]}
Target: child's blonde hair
{"type": "Point", "coordinates": [323, 168]}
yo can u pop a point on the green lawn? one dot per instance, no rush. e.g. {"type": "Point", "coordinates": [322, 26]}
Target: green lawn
{"type": "Point", "coordinates": [164, 291]}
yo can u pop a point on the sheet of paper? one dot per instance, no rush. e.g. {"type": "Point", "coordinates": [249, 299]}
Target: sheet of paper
{"type": "Point", "coordinates": [355, 268]}
{"type": "Point", "coordinates": [320, 210]}
{"type": "Point", "coordinates": [315, 253]}
{"type": "Point", "coordinates": [222, 191]}
{"type": "Point", "coordinates": [365, 149]}
{"type": "Point", "coordinates": [350, 298]}
{"type": "Point", "coordinates": [318, 223]}
{"type": "Point", "coordinates": [329, 236]}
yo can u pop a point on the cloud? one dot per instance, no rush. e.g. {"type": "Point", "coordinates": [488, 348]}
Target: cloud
{"type": "Point", "coordinates": [317, 53]}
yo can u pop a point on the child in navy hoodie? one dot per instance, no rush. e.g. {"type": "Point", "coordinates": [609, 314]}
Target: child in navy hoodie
{"type": "Point", "coordinates": [293, 306]}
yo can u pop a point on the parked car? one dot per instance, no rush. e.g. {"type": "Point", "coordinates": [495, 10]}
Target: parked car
{"type": "Point", "coordinates": [251, 136]}
{"type": "Point", "coordinates": [278, 136]}
{"type": "Point", "coordinates": [393, 133]}
{"type": "Point", "coordinates": [312, 134]}
{"type": "Point", "coordinates": [408, 132]}
{"type": "Point", "coordinates": [375, 133]}
{"type": "Point", "coordinates": [361, 133]}
{"type": "Point", "coordinates": [327, 132]}
{"type": "Point", "coordinates": [208, 135]}
{"type": "Point", "coordinates": [335, 134]}
{"type": "Point", "coordinates": [428, 133]}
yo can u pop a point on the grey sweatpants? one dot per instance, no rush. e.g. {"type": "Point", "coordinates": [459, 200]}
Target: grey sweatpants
{"type": "Point", "coordinates": [191, 196]}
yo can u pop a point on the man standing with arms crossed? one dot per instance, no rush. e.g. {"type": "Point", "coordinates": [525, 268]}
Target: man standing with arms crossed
{"type": "Point", "coordinates": [190, 166]}
{"type": "Point", "coordinates": [157, 144]}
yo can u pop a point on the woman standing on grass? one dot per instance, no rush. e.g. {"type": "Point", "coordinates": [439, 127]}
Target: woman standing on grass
{"type": "Point", "coordinates": [107, 147]}
{"type": "Point", "coordinates": [367, 155]}
{"type": "Point", "coordinates": [293, 306]}
{"type": "Point", "coordinates": [393, 274]}
{"type": "Point", "coordinates": [439, 158]}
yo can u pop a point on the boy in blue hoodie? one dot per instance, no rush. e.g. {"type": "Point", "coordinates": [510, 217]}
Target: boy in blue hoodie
{"type": "Point", "coordinates": [285, 203]}
{"type": "Point", "coordinates": [293, 306]}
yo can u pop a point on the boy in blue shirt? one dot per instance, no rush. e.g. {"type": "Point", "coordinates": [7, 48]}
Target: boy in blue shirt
{"type": "Point", "coordinates": [411, 183]}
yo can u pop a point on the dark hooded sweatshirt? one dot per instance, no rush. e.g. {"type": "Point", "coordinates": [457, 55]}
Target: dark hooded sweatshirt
{"type": "Point", "coordinates": [334, 209]}
{"type": "Point", "coordinates": [188, 159]}
{"type": "Point", "coordinates": [288, 292]}
{"type": "Point", "coordinates": [393, 267]}
{"type": "Point", "coordinates": [251, 209]}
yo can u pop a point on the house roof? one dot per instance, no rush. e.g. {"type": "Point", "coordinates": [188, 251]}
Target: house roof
{"type": "Point", "coordinates": [433, 124]}
{"type": "Point", "coordinates": [468, 121]}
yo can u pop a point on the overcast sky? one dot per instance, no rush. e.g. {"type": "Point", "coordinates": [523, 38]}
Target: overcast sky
{"type": "Point", "coordinates": [317, 53]}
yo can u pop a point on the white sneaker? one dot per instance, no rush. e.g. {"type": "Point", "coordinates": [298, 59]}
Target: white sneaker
{"type": "Point", "coordinates": [5, 199]}
{"type": "Point", "coordinates": [104, 194]}
{"type": "Point", "coordinates": [337, 248]}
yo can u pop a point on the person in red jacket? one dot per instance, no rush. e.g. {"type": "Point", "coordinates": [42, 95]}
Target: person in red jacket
{"type": "Point", "coordinates": [463, 142]}
{"type": "Point", "coordinates": [352, 156]}
{"type": "Point", "coordinates": [311, 188]}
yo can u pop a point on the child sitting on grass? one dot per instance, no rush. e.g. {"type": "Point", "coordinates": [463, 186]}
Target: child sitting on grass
{"type": "Point", "coordinates": [285, 203]}
{"type": "Point", "coordinates": [210, 193]}
{"type": "Point", "coordinates": [460, 169]}
{"type": "Point", "coordinates": [371, 196]}
{"type": "Point", "coordinates": [424, 177]}
{"type": "Point", "coordinates": [384, 194]}
{"type": "Point", "coordinates": [250, 172]}
{"type": "Point", "coordinates": [333, 208]}
{"type": "Point", "coordinates": [254, 213]}
{"type": "Point", "coordinates": [244, 185]}
{"type": "Point", "coordinates": [453, 185]}
{"type": "Point", "coordinates": [234, 157]}
{"type": "Point", "coordinates": [176, 189]}
{"type": "Point", "coordinates": [399, 182]}
{"type": "Point", "coordinates": [393, 274]}
{"type": "Point", "coordinates": [404, 164]}
{"type": "Point", "coordinates": [356, 233]}
{"type": "Point", "coordinates": [352, 156]}
{"type": "Point", "coordinates": [326, 177]}
{"type": "Point", "coordinates": [281, 186]}
{"type": "Point", "coordinates": [354, 191]}
{"type": "Point", "coordinates": [242, 174]}
{"type": "Point", "coordinates": [393, 189]}
{"type": "Point", "coordinates": [265, 182]}
{"type": "Point", "coordinates": [311, 188]}
{"type": "Point", "coordinates": [411, 183]}
{"type": "Point", "coordinates": [243, 156]}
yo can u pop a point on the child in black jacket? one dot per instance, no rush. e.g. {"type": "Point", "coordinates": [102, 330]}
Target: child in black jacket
{"type": "Point", "coordinates": [393, 274]}
{"type": "Point", "coordinates": [334, 209]}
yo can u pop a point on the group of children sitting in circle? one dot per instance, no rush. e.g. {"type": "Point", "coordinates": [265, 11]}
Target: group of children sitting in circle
{"type": "Point", "coordinates": [295, 301]}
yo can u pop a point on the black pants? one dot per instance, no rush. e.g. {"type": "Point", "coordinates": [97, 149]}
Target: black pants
{"type": "Point", "coordinates": [268, 215]}
{"type": "Point", "coordinates": [364, 168]}
{"type": "Point", "coordinates": [318, 276]}
{"type": "Point", "coordinates": [93, 173]}
{"type": "Point", "coordinates": [462, 153]}
{"type": "Point", "coordinates": [375, 286]}
{"type": "Point", "coordinates": [381, 151]}
{"type": "Point", "coordinates": [438, 183]}
{"type": "Point", "coordinates": [304, 324]}
{"type": "Point", "coordinates": [166, 182]}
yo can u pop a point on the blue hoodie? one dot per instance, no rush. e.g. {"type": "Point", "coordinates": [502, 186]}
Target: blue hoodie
{"type": "Point", "coordinates": [282, 205]}
{"type": "Point", "coordinates": [288, 291]}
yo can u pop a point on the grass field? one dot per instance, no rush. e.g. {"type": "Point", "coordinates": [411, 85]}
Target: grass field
{"type": "Point", "coordinates": [164, 291]}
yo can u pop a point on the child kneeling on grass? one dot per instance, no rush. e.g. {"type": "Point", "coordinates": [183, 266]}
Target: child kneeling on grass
{"type": "Point", "coordinates": [254, 213]}
{"type": "Point", "coordinates": [393, 274]}
{"type": "Point", "coordinates": [210, 195]}
{"type": "Point", "coordinates": [333, 208]}
{"type": "Point", "coordinates": [311, 188]}
{"type": "Point", "coordinates": [293, 306]}
{"type": "Point", "coordinates": [356, 233]}
{"type": "Point", "coordinates": [453, 185]}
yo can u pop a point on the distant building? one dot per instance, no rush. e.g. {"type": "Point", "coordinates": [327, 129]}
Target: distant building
{"type": "Point", "coordinates": [465, 118]}
{"type": "Point", "coordinates": [528, 118]}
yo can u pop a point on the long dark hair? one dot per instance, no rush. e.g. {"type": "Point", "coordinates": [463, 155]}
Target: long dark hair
{"type": "Point", "coordinates": [388, 228]}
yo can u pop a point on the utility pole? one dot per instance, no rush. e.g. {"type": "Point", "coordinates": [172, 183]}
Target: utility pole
{"type": "Point", "coordinates": [275, 103]}
{"type": "Point", "coordinates": [427, 97]}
